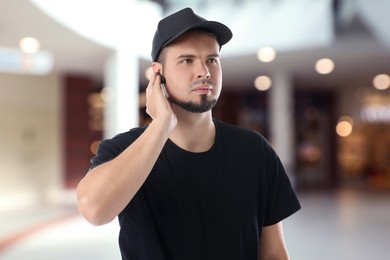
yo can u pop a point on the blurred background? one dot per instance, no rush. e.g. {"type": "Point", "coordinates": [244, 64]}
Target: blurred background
{"type": "Point", "coordinates": [312, 76]}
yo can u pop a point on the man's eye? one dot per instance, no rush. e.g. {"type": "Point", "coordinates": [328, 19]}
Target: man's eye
{"type": "Point", "coordinates": [186, 61]}
{"type": "Point", "coordinates": [212, 60]}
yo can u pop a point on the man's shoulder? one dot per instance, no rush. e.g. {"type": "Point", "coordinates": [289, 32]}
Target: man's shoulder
{"type": "Point", "coordinates": [133, 132]}
{"type": "Point", "coordinates": [124, 139]}
{"type": "Point", "coordinates": [112, 147]}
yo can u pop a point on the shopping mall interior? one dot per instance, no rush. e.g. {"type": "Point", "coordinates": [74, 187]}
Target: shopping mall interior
{"type": "Point", "coordinates": [313, 77]}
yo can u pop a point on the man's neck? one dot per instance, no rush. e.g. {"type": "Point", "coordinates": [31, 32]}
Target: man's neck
{"type": "Point", "coordinates": [195, 132]}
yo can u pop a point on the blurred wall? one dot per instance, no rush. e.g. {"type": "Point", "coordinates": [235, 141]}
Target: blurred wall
{"type": "Point", "coordinates": [30, 134]}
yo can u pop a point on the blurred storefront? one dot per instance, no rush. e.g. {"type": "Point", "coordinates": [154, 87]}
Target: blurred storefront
{"type": "Point", "coordinates": [364, 153]}
{"type": "Point", "coordinates": [343, 138]}
{"type": "Point", "coordinates": [315, 139]}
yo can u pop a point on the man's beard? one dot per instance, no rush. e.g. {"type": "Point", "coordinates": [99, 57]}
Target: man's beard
{"type": "Point", "coordinates": [204, 105]}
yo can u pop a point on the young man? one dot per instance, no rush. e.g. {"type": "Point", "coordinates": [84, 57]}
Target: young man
{"type": "Point", "coordinates": [188, 186]}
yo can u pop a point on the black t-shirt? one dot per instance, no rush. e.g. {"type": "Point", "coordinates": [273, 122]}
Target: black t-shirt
{"type": "Point", "coordinates": [208, 205]}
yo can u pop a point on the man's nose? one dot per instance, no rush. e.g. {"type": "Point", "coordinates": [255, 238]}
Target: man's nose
{"type": "Point", "coordinates": [203, 71]}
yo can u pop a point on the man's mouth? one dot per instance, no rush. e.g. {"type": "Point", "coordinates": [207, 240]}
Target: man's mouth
{"type": "Point", "coordinates": [203, 89]}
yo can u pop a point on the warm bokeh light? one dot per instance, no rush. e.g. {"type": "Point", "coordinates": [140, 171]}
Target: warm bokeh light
{"type": "Point", "coordinates": [148, 73]}
{"type": "Point", "coordinates": [324, 66]}
{"type": "Point", "coordinates": [263, 83]}
{"type": "Point", "coordinates": [29, 45]}
{"type": "Point", "coordinates": [266, 54]}
{"type": "Point", "coordinates": [106, 94]}
{"type": "Point", "coordinates": [94, 146]}
{"type": "Point", "coordinates": [345, 126]}
{"type": "Point", "coordinates": [95, 100]}
{"type": "Point", "coordinates": [309, 153]}
{"type": "Point", "coordinates": [381, 81]}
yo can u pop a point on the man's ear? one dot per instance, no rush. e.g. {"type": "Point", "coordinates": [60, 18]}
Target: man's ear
{"type": "Point", "coordinates": [157, 67]}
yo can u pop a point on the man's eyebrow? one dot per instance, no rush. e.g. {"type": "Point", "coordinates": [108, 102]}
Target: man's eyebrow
{"type": "Point", "coordinates": [187, 56]}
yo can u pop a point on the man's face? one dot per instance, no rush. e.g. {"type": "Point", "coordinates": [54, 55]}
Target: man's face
{"type": "Point", "coordinates": [193, 72]}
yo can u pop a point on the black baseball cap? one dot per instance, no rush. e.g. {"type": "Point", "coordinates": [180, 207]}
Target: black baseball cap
{"type": "Point", "coordinates": [176, 24]}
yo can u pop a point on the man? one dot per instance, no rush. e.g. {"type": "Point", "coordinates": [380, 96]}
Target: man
{"type": "Point", "coordinates": [188, 186]}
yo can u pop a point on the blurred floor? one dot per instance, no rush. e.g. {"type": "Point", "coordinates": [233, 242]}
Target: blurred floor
{"type": "Point", "coordinates": [343, 225]}
{"type": "Point", "coordinates": [339, 225]}
{"type": "Point", "coordinates": [56, 236]}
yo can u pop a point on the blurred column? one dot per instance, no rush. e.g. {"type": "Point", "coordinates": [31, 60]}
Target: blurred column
{"type": "Point", "coordinates": [281, 107]}
{"type": "Point", "coordinates": [121, 84]}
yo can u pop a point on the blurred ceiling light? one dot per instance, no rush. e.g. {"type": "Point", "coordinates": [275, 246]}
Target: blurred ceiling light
{"type": "Point", "coordinates": [14, 60]}
{"type": "Point", "coordinates": [324, 66]}
{"type": "Point", "coordinates": [381, 81]}
{"type": "Point", "coordinates": [266, 54]}
{"type": "Point", "coordinates": [263, 83]}
{"type": "Point", "coordinates": [29, 45]}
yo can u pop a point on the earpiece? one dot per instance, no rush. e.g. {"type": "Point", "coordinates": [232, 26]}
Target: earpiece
{"type": "Point", "coordinates": [163, 81]}
{"type": "Point", "coordinates": [162, 85]}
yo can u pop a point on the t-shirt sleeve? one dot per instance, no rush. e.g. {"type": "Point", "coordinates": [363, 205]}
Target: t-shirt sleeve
{"type": "Point", "coordinates": [111, 148]}
{"type": "Point", "coordinates": [281, 199]}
